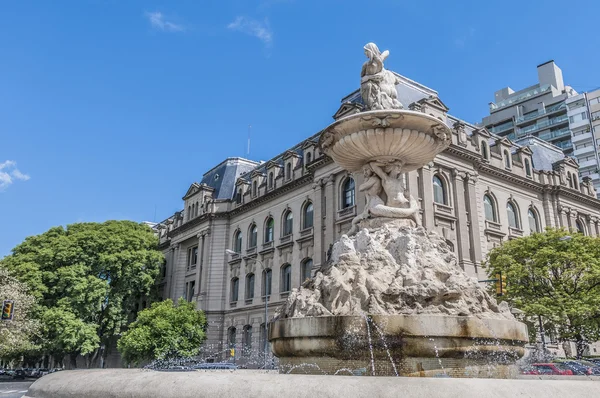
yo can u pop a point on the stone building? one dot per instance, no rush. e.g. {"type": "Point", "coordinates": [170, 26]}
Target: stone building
{"type": "Point", "coordinates": [279, 218]}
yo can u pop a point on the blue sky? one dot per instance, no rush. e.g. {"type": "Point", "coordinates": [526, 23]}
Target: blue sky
{"type": "Point", "coordinates": [111, 109]}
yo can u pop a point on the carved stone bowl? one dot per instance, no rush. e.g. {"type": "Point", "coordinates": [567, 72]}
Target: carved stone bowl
{"type": "Point", "coordinates": [413, 138]}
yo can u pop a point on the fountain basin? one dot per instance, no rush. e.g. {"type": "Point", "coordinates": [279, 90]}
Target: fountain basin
{"type": "Point", "coordinates": [408, 345]}
{"type": "Point", "coordinates": [413, 138]}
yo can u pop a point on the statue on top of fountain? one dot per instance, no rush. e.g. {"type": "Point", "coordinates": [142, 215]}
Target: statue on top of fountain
{"type": "Point", "coordinates": [377, 84]}
{"type": "Point", "coordinates": [377, 180]}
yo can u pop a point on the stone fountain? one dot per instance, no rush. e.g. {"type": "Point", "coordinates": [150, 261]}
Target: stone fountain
{"type": "Point", "coordinates": [392, 300]}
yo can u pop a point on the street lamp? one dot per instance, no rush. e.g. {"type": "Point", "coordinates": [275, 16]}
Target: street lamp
{"type": "Point", "coordinates": [231, 253]}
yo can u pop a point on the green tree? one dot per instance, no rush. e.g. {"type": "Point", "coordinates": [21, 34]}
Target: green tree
{"type": "Point", "coordinates": [87, 278]}
{"type": "Point", "coordinates": [554, 275]}
{"type": "Point", "coordinates": [17, 336]}
{"type": "Point", "coordinates": [164, 332]}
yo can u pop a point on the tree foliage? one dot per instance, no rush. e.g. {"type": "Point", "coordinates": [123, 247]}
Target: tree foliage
{"type": "Point", "coordinates": [164, 332]}
{"type": "Point", "coordinates": [17, 335]}
{"type": "Point", "coordinates": [87, 278]}
{"type": "Point", "coordinates": [555, 275]}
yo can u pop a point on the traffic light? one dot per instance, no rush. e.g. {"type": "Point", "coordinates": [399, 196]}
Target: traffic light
{"type": "Point", "coordinates": [8, 309]}
{"type": "Point", "coordinates": [232, 352]}
{"type": "Point", "coordinates": [500, 284]}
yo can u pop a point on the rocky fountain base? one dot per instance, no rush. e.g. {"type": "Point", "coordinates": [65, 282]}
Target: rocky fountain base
{"type": "Point", "coordinates": [392, 301]}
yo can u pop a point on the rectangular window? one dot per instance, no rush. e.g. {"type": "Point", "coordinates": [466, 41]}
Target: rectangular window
{"type": "Point", "coordinates": [595, 115]}
{"type": "Point", "coordinates": [595, 101]}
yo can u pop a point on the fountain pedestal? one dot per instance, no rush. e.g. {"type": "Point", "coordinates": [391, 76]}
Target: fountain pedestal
{"type": "Point", "coordinates": [392, 300]}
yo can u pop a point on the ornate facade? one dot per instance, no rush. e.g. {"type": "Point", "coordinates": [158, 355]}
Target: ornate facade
{"type": "Point", "coordinates": [278, 219]}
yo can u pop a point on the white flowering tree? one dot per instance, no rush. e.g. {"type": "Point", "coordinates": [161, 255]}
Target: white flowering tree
{"type": "Point", "coordinates": [16, 335]}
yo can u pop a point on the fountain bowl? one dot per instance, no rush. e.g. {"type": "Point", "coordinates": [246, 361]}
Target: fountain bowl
{"type": "Point", "coordinates": [411, 137]}
{"type": "Point", "coordinates": [405, 345]}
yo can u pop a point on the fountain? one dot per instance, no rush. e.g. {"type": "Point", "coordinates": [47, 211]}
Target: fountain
{"type": "Point", "coordinates": [392, 299]}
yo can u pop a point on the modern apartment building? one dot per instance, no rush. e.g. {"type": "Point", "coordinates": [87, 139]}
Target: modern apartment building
{"type": "Point", "coordinates": [552, 112]}
{"type": "Point", "coordinates": [278, 219]}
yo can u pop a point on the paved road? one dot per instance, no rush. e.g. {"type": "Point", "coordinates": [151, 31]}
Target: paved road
{"type": "Point", "coordinates": [14, 389]}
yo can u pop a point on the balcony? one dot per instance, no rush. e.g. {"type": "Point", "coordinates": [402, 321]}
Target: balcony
{"type": "Point", "coordinates": [521, 97]}
{"type": "Point", "coordinates": [582, 151]}
{"type": "Point", "coordinates": [347, 212]}
{"type": "Point", "coordinates": [541, 112]}
{"type": "Point", "coordinates": [582, 136]}
{"type": "Point", "coordinates": [503, 127]}
{"type": "Point", "coordinates": [588, 163]}
{"type": "Point", "coordinates": [551, 135]}
{"type": "Point", "coordinates": [521, 132]}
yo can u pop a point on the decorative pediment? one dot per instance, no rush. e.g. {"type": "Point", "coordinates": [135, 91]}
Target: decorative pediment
{"type": "Point", "coordinates": [308, 144]}
{"type": "Point", "coordinates": [347, 108]}
{"type": "Point", "coordinates": [482, 132]}
{"type": "Point", "coordinates": [434, 102]}
{"type": "Point", "coordinates": [525, 150]}
{"type": "Point", "coordinates": [257, 173]}
{"type": "Point", "coordinates": [271, 164]}
{"type": "Point", "coordinates": [192, 190]}
{"type": "Point", "coordinates": [570, 162]}
{"type": "Point", "coordinates": [504, 141]}
{"type": "Point", "coordinates": [241, 181]}
{"type": "Point", "coordinates": [290, 154]}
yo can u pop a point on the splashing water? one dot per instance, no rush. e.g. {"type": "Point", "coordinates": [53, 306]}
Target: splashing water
{"type": "Point", "coordinates": [306, 365]}
{"type": "Point", "coordinates": [381, 336]}
{"type": "Point", "coordinates": [370, 345]}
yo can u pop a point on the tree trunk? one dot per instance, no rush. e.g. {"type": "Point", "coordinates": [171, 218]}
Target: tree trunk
{"type": "Point", "coordinates": [73, 359]}
{"type": "Point", "coordinates": [580, 345]}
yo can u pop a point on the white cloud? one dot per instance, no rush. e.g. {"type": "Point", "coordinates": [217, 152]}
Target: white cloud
{"type": "Point", "coordinates": [254, 28]}
{"type": "Point", "coordinates": [158, 21]}
{"type": "Point", "coordinates": [9, 173]}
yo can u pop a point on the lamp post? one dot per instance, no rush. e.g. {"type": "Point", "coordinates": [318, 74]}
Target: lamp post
{"type": "Point", "coordinates": [231, 252]}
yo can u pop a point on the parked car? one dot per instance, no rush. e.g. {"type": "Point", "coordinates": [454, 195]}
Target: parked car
{"type": "Point", "coordinates": [547, 369]}
{"type": "Point", "coordinates": [594, 367]}
{"type": "Point", "coordinates": [217, 365]}
{"type": "Point", "coordinates": [577, 368]}
{"type": "Point", "coordinates": [18, 374]}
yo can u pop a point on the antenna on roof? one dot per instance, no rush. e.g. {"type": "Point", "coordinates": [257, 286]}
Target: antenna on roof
{"type": "Point", "coordinates": [249, 128]}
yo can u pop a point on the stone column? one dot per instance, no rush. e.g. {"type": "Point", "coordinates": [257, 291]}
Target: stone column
{"type": "Point", "coordinates": [318, 226]}
{"type": "Point", "coordinates": [475, 236]}
{"type": "Point", "coordinates": [331, 201]}
{"type": "Point", "coordinates": [426, 181]}
{"type": "Point", "coordinates": [462, 227]}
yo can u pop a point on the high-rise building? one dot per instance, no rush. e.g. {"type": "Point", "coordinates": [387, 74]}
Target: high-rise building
{"type": "Point", "coordinates": [553, 112]}
{"type": "Point", "coordinates": [251, 232]}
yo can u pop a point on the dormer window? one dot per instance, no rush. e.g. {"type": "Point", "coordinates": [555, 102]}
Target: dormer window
{"type": "Point", "coordinates": [527, 168]}
{"type": "Point", "coordinates": [238, 196]}
{"type": "Point", "coordinates": [254, 188]}
{"type": "Point", "coordinates": [288, 171]}
{"type": "Point", "coordinates": [271, 180]}
{"type": "Point", "coordinates": [308, 157]}
{"type": "Point", "coordinates": [485, 150]}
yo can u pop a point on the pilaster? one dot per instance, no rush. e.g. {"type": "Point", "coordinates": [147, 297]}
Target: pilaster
{"type": "Point", "coordinates": [475, 236]}
{"type": "Point", "coordinates": [462, 225]}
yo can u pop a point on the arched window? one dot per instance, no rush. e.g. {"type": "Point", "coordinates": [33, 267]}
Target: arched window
{"type": "Point", "coordinates": [288, 171]}
{"type": "Point", "coordinates": [270, 180]}
{"type": "Point", "coordinates": [193, 210]}
{"type": "Point", "coordinates": [249, 286]}
{"type": "Point", "coordinates": [308, 157]}
{"type": "Point", "coordinates": [489, 208]}
{"type": "Point", "coordinates": [189, 212]}
{"type": "Point", "coordinates": [254, 188]}
{"type": "Point", "coordinates": [235, 286]}
{"type": "Point", "coordinates": [237, 241]}
{"type": "Point", "coordinates": [570, 178]}
{"type": "Point", "coordinates": [348, 194]}
{"type": "Point", "coordinates": [288, 223]}
{"type": "Point", "coordinates": [580, 227]}
{"type": "Point", "coordinates": [439, 191]}
{"type": "Point", "coordinates": [308, 215]}
{"type": "Point", "coordinates": [575, 181]}
{"type": "Point", "coordinates": [252, 236]}
{"type": "Point", "coordinates": [247, 340]}
{"type": "Point", "coordinates": [534, 224]}
{"type": "Point", "coordinates": [266, 282]}
{"type": "Point", "coordinates": [513, 217]}
{"type": "Point", "coordinates": [527, 168]}
{"type": "Point", "coordinates": [269, 226]}
{"type": "Point", "coordinates": [286, 278]}
{"type": "Point", "coordinates": [238, 196]}
{"type": "Point", "coordinates": [506, 159]}
{"type": "Point", "coordinates": [231, 332]}
{"type": "Point", "coordinates": [484, 150]}
{"type": "Point", "coordinates": [306, 269]}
